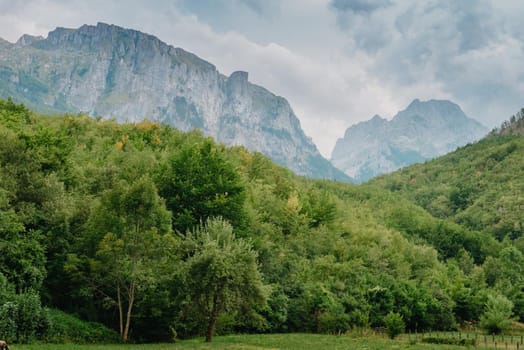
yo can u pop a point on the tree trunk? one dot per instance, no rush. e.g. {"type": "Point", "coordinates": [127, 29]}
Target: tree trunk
{"type": "Point", "coordinates": [120, 312]}
{"type": "Point", "coordinates": [210, 329]}
{"type": "Point", "coordinates": [125, 336]}
{"type": "Point", "coordinates": [212, 320]}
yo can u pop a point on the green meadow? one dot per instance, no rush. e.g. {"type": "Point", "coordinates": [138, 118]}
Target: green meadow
{"type": "Point", "coordinates": [259, 342]}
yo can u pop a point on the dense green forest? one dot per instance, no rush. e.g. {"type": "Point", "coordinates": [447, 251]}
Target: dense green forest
{"type": "Point", "coordinates": [479, 186]}
{"type": "Point", "coordinates": [159, 234]}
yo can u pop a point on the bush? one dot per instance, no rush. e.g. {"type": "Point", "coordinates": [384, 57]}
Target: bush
{"type": "Point", "coordinates": [497, 317]}
{"type": "Point", "coordinates": [394, 324]}
{"type": "Point", "coordinates": [65, 328]}
{"type": "Point", "coordinates": [449, 341]}
{"type": "Point", "coordinates": [22, 319]}
{"type": "Point", "coordinates": [333, 323]}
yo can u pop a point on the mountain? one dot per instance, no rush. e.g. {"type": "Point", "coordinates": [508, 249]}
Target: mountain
{"type": "Point", "coordinates": [480, 186]}
{"type": "Point", "coordinates": [424, 130]}
{"type": "Point", "coordinates": [128, 75]}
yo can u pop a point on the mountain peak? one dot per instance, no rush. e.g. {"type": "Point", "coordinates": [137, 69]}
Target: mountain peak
{"type": "Point", "coordinates": [240, 76]}
{"type": "Point", "coordinates": [442, 107]}
{"type": "Point", "coordinates": [414, 103]}
{"type": "Point", "coordinates": [436, 114]}
{"type": "Point", "coordinates": [122, 73]}
{"type": "Point", "coordinates": [424, 130]}
{"type": "Point", "coordinates": [90, 37]}
{"type": "Point", "coordinates": [118, 42]}
{"type": "Point", "coordinates": [377, 118]}
{"type": "Point", "coordinates": [27, 39]}
{"type": "Point", "coordinates": [237, 83]}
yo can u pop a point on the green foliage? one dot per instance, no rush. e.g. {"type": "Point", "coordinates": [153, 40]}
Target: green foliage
{"type": "Point", "coordinates": [319, 207]}
{"type": "Point", "coordinates": [288, 341]}
{"type": "Point", "coordinates": [12, 114]}
{"type": "Point", "coordinates": [88, 207]}
{"type": "Point", "coordinates": [394, 324]}
{"type": "Point", "coordinates": [65, 328]}
{"type": "Point", "coordinates": [131, 221]}
{"type": "Point", "coordinates": [450, 341]}
{"type": "Point", "coordinates": [497, 317]}
{"type": "Point", "coordinates": [222, 273]}
{"type": "Point", "coordinates": [22, 318]}
{"type": "Point", "coordinates": [198, 182]}
{"type": "Point", "coordinates": [478, 186]}
{"type": "Point", "coordinates": [23, 260]}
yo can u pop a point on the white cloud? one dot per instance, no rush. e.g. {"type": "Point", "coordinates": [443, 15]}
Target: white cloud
{"type": "Point", "coordinates": [468, 52]}
{"type": "Point", "coordinates": [383, 54]}
{"type": "Point", "coordinates": [321, 89]}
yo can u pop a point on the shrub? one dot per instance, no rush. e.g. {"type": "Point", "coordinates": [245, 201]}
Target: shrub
{"type": "Point", "coordinates": [22, 319]}
{"type": "Point", "coordinates": [333, 322]}
{"type": "Point", "coordinates": [394, 324]}
{"type": "Point", "coordinates": [497, 317]}
{"type": "Point", "coordinates": [449, 341]}
{"type": "Point", "coordinates": [65, 328]}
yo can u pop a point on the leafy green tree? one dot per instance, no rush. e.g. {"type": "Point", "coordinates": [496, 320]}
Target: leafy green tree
{"type": "Point", "coordinates": [497, 317]}
{"type": "Point", "coordinates": [22, 318]}
{"type": "Point", "coordinates": [132, 220]}
{"type": "Point", "coordinates": [23, 259]}
{"type": "Point", "coordinates": [14, 115]}
{"type": "Point", "coordinates": [320, 207]}
{"type": "Point", "coordinates": [294, 221]}
{"type": "Point", "coordinates": [76, 196]}
{"type": "Point", "coordinates": [222, 273]}
{"type": "Point", "coordinates": [394, 324]}
{"type": "Point", "coordinates": [381, 302]}
{"type": "Point", "coordinates": [199, 182]}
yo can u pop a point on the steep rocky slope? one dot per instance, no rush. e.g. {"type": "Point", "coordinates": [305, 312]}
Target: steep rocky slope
{"type": "Point", "coordinates": [128, 75]}
{"type": "Point", "coordinates": [423, 130]}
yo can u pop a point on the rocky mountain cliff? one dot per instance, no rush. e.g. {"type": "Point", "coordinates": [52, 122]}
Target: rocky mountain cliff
{"type": "Point", "coordinates": [423, 130]}
{"type": "Point", "coordinates": [128, 75]}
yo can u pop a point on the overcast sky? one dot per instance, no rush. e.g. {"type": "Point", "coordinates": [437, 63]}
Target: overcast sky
{"type": "Point", "coordinates": [336, 61]}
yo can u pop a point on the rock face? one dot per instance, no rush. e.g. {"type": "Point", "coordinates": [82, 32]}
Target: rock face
{"type": "Point", "coordinates": [423, 130]}
{"type": "Point", "coordinates": [128, 75]}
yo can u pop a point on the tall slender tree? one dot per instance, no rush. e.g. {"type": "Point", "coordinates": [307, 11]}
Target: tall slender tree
{"type": "Point", "coordinates": [131, 246]}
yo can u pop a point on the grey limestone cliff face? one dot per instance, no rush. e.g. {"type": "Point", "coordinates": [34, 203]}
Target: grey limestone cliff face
{"type": "Point", "coordinates": [424, 130]}
{"type": "Point", "coordinates": [27, 39]}
{"type": "Point", "coordinates": [128, 75]}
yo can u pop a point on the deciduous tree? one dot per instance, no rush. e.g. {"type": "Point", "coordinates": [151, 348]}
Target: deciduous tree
{"type": "Point", "coordinates": [222, 272]}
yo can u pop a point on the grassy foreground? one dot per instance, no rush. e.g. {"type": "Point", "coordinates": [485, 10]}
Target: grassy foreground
{"type": "Point", "coordinates": [258, 342]}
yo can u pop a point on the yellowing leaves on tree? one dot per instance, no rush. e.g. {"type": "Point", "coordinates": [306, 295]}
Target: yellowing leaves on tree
{"type": "Point", "coordinates": [293, 203]}
{"type": "Point", "coordinates": [121, 143]}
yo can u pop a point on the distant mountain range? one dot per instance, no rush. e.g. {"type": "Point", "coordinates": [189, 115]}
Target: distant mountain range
{"type": "Point", "coordinates": [422, 131]}
{"type": "Point", "coordinates": [128, 75]}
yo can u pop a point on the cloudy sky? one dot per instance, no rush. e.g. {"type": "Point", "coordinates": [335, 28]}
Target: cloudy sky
{"type": "Point", "coordinates": [336, 61]}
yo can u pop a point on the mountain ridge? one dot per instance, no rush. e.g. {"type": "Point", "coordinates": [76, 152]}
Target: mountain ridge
{"type": "Point", "coordinates": [422, 131]}
{"type": "Point", "coordinates": [129, 75]}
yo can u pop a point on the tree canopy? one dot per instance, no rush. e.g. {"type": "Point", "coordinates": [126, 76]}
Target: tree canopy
{"type": "Point", "coordinates": [160, 234]}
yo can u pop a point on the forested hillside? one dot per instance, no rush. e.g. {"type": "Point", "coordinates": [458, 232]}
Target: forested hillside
{"type": "Point", "coordinates": [160, 234]}
{"type": "Point", "coordinates": [480, 186]}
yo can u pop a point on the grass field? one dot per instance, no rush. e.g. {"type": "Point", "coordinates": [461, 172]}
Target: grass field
{"type": "Point", "coordinates": [259, 342]}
